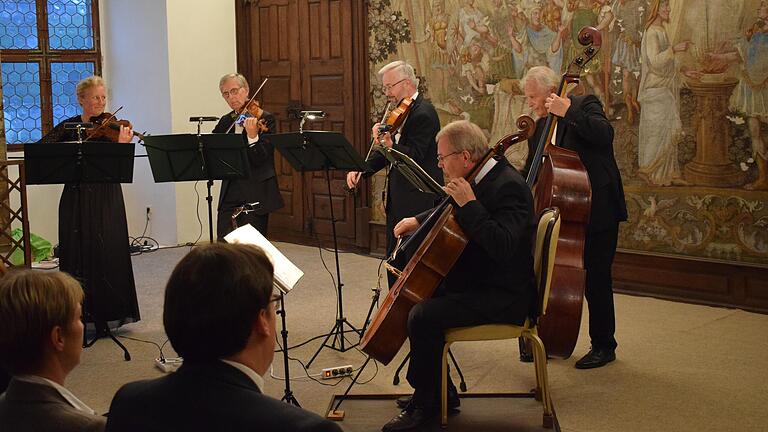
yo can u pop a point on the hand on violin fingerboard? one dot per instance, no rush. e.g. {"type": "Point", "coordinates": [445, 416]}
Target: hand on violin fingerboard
{"type": "Point", "coordinates": [251, 126]}
{"type": "Point", "coordinates": [383, 138]}
{"type": "Point", "coordinates": [126, 134]}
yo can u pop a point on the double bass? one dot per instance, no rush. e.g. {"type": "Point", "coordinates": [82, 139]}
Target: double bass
{"type": "Point", "coordinates": [558, 178]}
{"type": "Point", "coordinates": [442, 244]}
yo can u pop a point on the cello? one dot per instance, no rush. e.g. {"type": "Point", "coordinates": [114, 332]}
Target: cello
{"type": "Point", "coordinates": [560, 180]}
{"type": "Point", "coordinates": [443, 243]}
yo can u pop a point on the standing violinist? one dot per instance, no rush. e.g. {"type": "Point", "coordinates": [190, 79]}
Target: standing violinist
{"type": "Point", "coordinates": [583, 127]}
{"type": "Point", "coordinates": [415, 138]}
{"type": "Point", "coordinates": [493, 279]}
{"type": "Point", "coordinates": [259, 192]}
{"type": "Point", "coordinates": [93, 231]}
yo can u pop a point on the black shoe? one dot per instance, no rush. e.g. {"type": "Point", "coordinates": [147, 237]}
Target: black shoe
{"type": "Point", "coordinates": [453, 400]}
{"type": "Point", "coordinates": [526, 357]}
{"type": "Point", "coordinates": [595, 358]}
{"type": "Point", "coordinates": [413, 418]}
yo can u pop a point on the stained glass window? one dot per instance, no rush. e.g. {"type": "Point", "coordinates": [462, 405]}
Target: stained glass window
{"type": "Point", "coordinates": [69, 24]}
{"type": "Point", "coordinates": [64, 79]}
{"type": "Point", "coordinates": [21, 100]}
{"type": "Point", "coordinates": [18, 24]}
{"type": "Point", "coordinates": [43, 57]}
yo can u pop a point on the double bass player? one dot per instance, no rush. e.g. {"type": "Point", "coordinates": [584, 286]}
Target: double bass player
{"type": "Point", "coordinates": [584, 128]}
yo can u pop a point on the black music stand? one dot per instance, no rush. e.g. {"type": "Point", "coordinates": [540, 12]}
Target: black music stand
{"type": "Point", "coordinates": [190, 157]}
{"type": "Point", "coordinates": [77, 163]}
{"type": "Point", "coordinates": [324, 151]}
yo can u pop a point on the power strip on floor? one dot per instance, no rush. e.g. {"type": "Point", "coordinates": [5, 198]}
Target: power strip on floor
{"type": "Point", "coordinates": [337, 372]}
{"type": "Point", "coordinates": [168, 364]}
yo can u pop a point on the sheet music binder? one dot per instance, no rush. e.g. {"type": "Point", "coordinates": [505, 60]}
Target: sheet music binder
{"type": "Point", "coordinates": [412, 171]}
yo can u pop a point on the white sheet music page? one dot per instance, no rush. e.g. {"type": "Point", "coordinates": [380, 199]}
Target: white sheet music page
{"type": "Point", "coordinates": [286, 273]}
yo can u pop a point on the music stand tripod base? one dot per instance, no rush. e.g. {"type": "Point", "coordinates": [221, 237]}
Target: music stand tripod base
{"type": "Point", "coordinates": [324, 151]}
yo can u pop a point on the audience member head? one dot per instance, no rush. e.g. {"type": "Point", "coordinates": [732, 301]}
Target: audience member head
{"type": "Point", "coordinates": [461, 145]}
{"type": "Point", "coordinates": [40, 328]}
{"type": "Point", "coordinates": [218, 305]}
{"type": "Point", "coordinates": [538, 83]}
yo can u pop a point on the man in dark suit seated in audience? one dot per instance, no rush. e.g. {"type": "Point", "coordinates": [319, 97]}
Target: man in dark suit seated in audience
{"type": "Point", "coordinates": [41, 338]}
{"type": "Point", "coordinates": [219, 315]}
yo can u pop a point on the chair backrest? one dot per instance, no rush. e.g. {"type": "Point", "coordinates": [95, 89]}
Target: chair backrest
{"type": "Point", "coordinates": [547, 235]}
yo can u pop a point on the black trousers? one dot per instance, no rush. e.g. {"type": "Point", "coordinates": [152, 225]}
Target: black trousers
{"type": "Point", "coordinates": [224, 222]}
{"type": "Point", "coordinates": [599, 251]}
{"type": "Point", "coordinates": [427, 323]}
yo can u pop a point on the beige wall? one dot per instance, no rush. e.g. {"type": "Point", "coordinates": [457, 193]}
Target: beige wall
{"type": "Point", "coordinates": [162, 61]}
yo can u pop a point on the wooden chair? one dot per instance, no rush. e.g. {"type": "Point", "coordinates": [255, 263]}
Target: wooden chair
{"type": "Point", "coordinates": [544, 260]}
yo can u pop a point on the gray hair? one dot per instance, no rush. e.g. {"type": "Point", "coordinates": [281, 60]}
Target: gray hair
{"type": "Point", "coordinates": [403, 69]}
{"type": "Point", "coordinates": [465, 135]}
{"type": "Point", "coordinates": [87, 83]}
{"type": "Point", "coordinates": [543, 76]}
{"type": "Point", "coordinates": [236, 76]}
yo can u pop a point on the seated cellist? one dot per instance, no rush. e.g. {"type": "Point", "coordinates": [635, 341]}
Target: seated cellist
{"type": "Point", "coordinates": [493, 279]}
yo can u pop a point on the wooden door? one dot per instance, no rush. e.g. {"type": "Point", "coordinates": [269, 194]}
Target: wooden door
{"type": "Point", "coordinates": [313, 52]}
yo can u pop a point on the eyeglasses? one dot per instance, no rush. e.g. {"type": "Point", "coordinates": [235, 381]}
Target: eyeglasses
{"type": "Point", "coordinates": [226, 94]}
{"type": "Point", "coordinates": [386, 88]}
{"type": "Point", "coordinates": [442, 158]}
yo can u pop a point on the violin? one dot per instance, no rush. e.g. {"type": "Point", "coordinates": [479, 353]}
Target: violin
{"type": "Point", "coordinates": [398, 115]}
{"type": "Point", "coordinates": [253, 109]}
{"type": "Point", "coordinates": [108, 128]}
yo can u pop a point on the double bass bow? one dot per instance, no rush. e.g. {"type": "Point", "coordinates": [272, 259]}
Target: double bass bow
{"type": "Point", "coordinates": [558, 178]}
{"type": "Point", "coordinates": [442, 244]}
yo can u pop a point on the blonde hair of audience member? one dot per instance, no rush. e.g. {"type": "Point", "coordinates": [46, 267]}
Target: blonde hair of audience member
{"type": "Point", "coordinates": [40, 328]}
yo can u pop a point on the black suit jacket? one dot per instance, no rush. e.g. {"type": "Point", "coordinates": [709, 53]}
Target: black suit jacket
{"type": "Point", "coordinates": [206, 397]}
{"type": "Point", "coordinates": [587, 131]}
{"type": "Point", "coordinates": [417, 140]}
{"type": "Point", "coordinates": [494, 274]}
{"type": "Point", "coordinates": [261, 186]}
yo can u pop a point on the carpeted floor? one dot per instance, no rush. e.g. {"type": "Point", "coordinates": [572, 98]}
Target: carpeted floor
{"type": "Point", "coordinates": [679, 367]}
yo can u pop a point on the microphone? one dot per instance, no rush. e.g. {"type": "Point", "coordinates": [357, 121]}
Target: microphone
{"type": "Point", "coordinates": [196, 119]}
{"type": "Point", "coordinates": [385, 128]}
{"type": "Point", "coordinates": [312, 115]}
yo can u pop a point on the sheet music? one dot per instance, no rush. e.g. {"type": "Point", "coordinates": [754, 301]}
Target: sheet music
{"type": "Point", "coordinates": [286, 273]}
{"type": "Point", "coordinates": [412, 171]}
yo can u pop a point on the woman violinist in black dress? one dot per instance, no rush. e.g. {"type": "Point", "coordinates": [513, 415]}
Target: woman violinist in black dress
{"type": "Point", "coordinates": [93, 231]}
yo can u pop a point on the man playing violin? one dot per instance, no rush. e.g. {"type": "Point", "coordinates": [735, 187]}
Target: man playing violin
{"type": "Point", "coordinates": [415, 138]}
{"type": "Point", "coordinates": [493, 279]}
{"type": "Point", "coordinates": [583, 128]}
{"type": "Point", "coordinates": [259, 193]}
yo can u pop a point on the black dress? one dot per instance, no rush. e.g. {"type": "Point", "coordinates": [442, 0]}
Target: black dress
{"type": "Point", "coordinates": [93, 244]}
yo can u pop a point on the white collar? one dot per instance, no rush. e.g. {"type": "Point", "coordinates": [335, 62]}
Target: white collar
{"type": "Point", "coordinates": [485, 169]}
{"type": "Point", "coordinates": [255, 377]}
{"type": "Point", "coordinates": [66, 394]}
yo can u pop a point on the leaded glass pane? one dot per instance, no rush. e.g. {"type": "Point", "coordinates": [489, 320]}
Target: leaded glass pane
{"type": "Point", "coordinates": [18, 24]}
{"type": "Point", "coordinates": [64, 79]}
{"type": "Point", "coordinates": [70, 24]}
{"type": "Point", "coordinates": [21, 102]}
